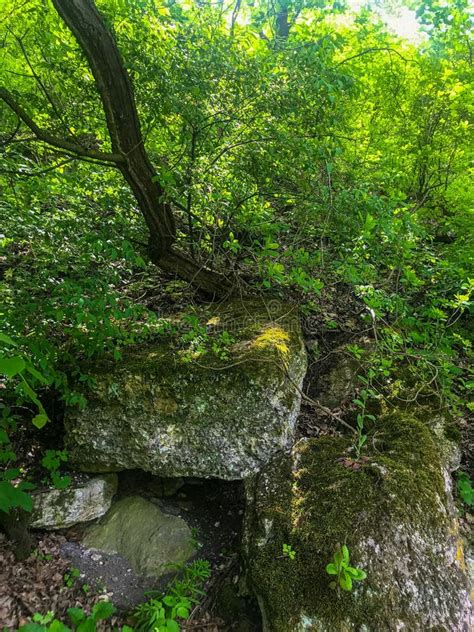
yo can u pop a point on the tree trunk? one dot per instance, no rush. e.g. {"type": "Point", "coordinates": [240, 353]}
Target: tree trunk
{"type": "Point", "coordinates": [282, 22]}
{"type": "Point", "coordinates": [115, 89]}
{"type": "Point", "coordinates": [15, 524]}
{"type": "Point", "coordinates": [116, 93]}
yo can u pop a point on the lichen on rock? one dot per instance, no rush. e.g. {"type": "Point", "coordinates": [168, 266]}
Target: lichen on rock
{"type": "Point", "coordinates": [82, 501]}
{"type": "Point", "coordinates": [393, 514]}
{"type": "Point", "coordinates": [170, 414]}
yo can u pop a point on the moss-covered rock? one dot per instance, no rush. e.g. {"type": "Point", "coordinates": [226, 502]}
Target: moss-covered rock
{"type": "Point", "coordinates": [392, 510]}
{"type": "Point", "coordinates": [172, 413]}
{"type": "Point", "coordinates": [149, 539]}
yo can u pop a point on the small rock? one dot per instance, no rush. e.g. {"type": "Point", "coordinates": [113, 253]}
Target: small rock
{"type": "Point", "coordinates": [79, 502]}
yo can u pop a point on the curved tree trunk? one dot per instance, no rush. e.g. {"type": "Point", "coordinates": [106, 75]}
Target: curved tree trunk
{"type": "Point", "coordinates": [115, 89]}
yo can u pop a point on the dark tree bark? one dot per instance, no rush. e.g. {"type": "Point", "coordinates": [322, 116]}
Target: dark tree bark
{"type": "Point", "coordinates": [113, 84]}
{"type": "Point", "coordinates": [15, 525]}
{"type": "Point", "coordinates": [128, 151]}
{"type": "Point", "coordinates": [282, 21]}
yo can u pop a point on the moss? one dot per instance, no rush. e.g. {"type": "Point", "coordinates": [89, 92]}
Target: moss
{"type": "Point", "coordinates": [322, 503]}
{"type": "Point", "coordinates": [272, 338]}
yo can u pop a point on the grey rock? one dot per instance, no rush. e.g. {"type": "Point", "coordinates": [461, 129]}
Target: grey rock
{"type": "Point", "coordinates": [149, 539]}
{"type": "Point", "coordinates": [396, 515]}
{"type": "Point", "coordinates": [79, 502]}
{"type": "Point", "coordinates": [173, 414]}
{"type": "Point", "coordinates": [339, 383]}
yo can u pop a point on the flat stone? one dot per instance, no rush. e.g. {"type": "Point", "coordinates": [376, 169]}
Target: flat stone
{"type": "Point", "coordinates": [79, 502]}
{"type": "Point", "coordinates": [172, 413]}
{"type": "Point", "coordinates": [149, 539]}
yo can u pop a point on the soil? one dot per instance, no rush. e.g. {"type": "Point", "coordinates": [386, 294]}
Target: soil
{"type": "Point", "coordinates": [38, 584]}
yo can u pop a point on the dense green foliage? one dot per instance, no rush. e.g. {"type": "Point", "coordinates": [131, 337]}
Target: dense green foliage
{"type": "Point", "coordinates": [334, 153]}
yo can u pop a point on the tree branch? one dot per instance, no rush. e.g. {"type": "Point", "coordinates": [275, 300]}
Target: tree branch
{"type": "Point", "coordinates": [48, 138]}
{"type": "Point", "coordinates": [371, 50]}
{"type": "Point", "coordinates": [37, 172]}
{"type": "Point", "coordinates": [39, 80]}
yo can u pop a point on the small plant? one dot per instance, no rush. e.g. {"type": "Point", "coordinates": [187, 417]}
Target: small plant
{"type": "Point", "coordinates": [346, 574]}
{"type": "Point", "coordinates": [13, 487]}
{"type": "Point", "coordinates": [71, 576]}
{"type": "Point", "coordinates": [160, 615]}
{"type": "Point", "coordinates": [43, 557]}
{"type": "Point", "coordinates": [194, 541]}
{"type": "Point", "coordinates": [356, 351]}
{"type": "Point", "coordinates": [222, 344]}
{"type": "Point", "coordinates": [161, 611]}
{"type": "Point", "coordinates": [51, 462]}
{"type": "Point", "coordinates": [81, 622]}
{"type": "Point", "coordinates": [100, 612]}
{"type": "Point", "coordinates": [465, 489]}
{"type": "Point", "coordinates": [289, 552]}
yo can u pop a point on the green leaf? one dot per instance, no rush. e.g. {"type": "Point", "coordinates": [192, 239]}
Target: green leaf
{"type": "Point", "coordinates": [39, 376]}
{"type": "Point", "coordinates": [182, 612]}
{"type": "Point", "coordinates": [57, 626]}
{"type": "Point", "coordinates": [345, 581]}
{"type": "Point", "coordinates": [9, 475]}
{"type": "Point", "coordinates": [103, 610]}
{"type": "Point", "coordinates": [26, 388]}
{"type": "Point", "coordinates": [88, 625]}
{"type": "Point", "coordinates": [356, 573]}
{"type": "Point", "coordinates": [76, 615]}
{"type": "Point", "coordinates": [345, 554]}
{"type": "Point", "coordinates": [12, 497]}
{"type": "Point", "coordinates": [26, 486]}
{"type": "Point", "coordinates": [40, 420]}
{"type": "Point", "coordinates": [11, 366]}
{"type": "Point", "coordinates": [60, 482]}
{"type": "Point", "coordinates": [7, 340]}
{"type": "Point", "coordinates": [331, 569]}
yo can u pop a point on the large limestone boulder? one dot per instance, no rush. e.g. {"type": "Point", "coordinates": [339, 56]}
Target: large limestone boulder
{"type": "Point", "coordinates": [147, 538]}
{"type": "Point", "coordinates": [175, 411]}
{"type": "Point", "coordinates": [83, 500]}
{"type": "Point", "coordinates": [393, 510]}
